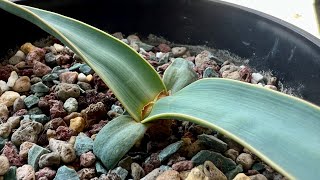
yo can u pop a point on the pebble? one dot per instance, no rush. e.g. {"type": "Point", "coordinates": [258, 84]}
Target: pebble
{"type": "Point", "coordinates": [27, 47]}
{"type": "Point", "coordinates": [178, 51]}
{"type": "Point", "coordinates": [11, 152]}
{"type": "Point", "coordinates": [65, 150]}
{"type": "Point", "coordinates": [5, 130]}
{"type": "Point", "coordinates": [164, 48]}
{"type": "Point", "coordinates": [271, 87]}
{"type": "Point", "coordinates": [213, 143]}
{"type": "Point", "coordinates": [231, 174]}
{"type": "Point", "coordinates": [258, 166]}
{"type": "Point", "coordinates": [45, 174]}
{"type": "Point", "coordinates": [18, 104]}
{"type": "Point", "coordinates": [71, 105]}
{"type": "Point", "coordinates": [3, 141]}
{"type": "Point", "coordinates": [50, 77]}
{"type": "Point", "coordinates": [18, 57]}
{"type": "Point", "coordinates": [64, 173]}
{"type": "Point", "coordinates": [126, 163]}
{"type": "Point", "coordinates": [68, 77]}
{"type": "Point", "coordinates": [202, 58]}
{"type": "Point", "coordinates": [41, 118]}
{"type": "Point", "coordinates": [35, 110]}
{"type": "Point", "coordinates": [258, 177]}
{"type": "Point", "coordinates": [256, 78]}
{"type": "Point", "coordinates": [89, 78]}
{"type": "Point", "coordinates": [122, 173]}
{"type": "Point", "coordinates": [86, 173]}
{"type": "Point", "coordinates": [49, 160]}
{"type": "Point", "coordinates": [210, 72]}
{"type": "Point", "coordinates": [64, 91]}
{"type": "Point", "coordinates": [182, 166]}
{"type": "Point", "coordinates": [169, 150]}
{"type": "Point", "coordinates": [241, 176]}
{"type": "Point", "coordinates": [58, 47]}
{"type": "Point", "coordinates": [145, 46]}
{"type": "Point", "coordinates": [82, 77]}
{"type": "Point", "coordinates": [34, 155]}
{"type": "Point", "coordinates": [22, 84]}
{"type": "Point", "coordinates": [235, 75]}
{"type": "Point", "coordinates": [77, 124]}
{"type": "Point", "coordinates": [24, 149]}
{"type": "Point", "coordinates": [3, 87]}
{"type": "Point", "coordinates": [14, 121]}
{"type": "Point", "coordinates": [31, 101]}
{"type": "Point", "coordinates": [28, 131]}
{"type": "Point", "coordinates": [8, 98]}
{"type": "Point", "coordinates": [245, 160]}
{"type": "Point", "coordinates": [83, 144]}
{"type": "Point", "coordinates": [50, 58]}
{"type": "Point", "coordinates": [85, 69]}
{"type": "Point", "coordinates": [137, 171]}
{"type": "Point", "coordinates": [40, 69]}
{"type": "Point", "coordinates": [35, 80]}
{"type": "Point", "coordinates": [231, 153]}
{"type": "Point", "coordinates": [26, 172]}
{"type": "Point", "coordinates": [4, 165]}
{"type": "Point", "coordinates": [223, 163]}
{"type": "Point", "coordinates": [35, 55]}
{"type": "Point", "coordinates": [85, 86]}
{"type": "Point", "coordinates": [39, 87]}
{"type": "Point", "coordinates": [56, 109]}
{"type": "Point", "coordinates": [11, 173]}
{"type": "Point", "coordinates": [4, 113]}
{"type": "Point", "coordinates": [87, 159]}
{"type": "Point", "coordinates": [12, 79]}
{"type": "Point", "coordinates": [100, 169]}
{"type": "Point", "coordinates": [153, 174]}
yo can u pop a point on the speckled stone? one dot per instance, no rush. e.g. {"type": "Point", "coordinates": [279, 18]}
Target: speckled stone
{"type": "Point", "coordinates": [4, 165]}
{"type": "Point", "coordinates": [26, 172]}
{"type": "Point", "coordinates": [49, 159]}
{"type": "Point", "coordinates": [31, 101]}
{"type": "Point", "coordinates": [169, 150]}
{"type": "Point", "coordinates": [8, 98]}
{"type": "Point", "coordinates": [34, 155]}
{"type": "Point", "coordinates": [64, 173]}
{"type": "Point", "coordinates": [83, 144]}
{"type": "Point", "coordinates": [39, 87]}
{"type": "Point", "coordinates": [28, 131]}
{"type": "Point", "coordinates": [213, 143]}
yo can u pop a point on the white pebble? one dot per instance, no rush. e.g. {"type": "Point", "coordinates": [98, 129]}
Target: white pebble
{"type": "Point", "coordinates": [20, 54]}
{"type": "Point", "coordinates": [82, 77]}
{"type": "Point", "coordinates": [271, 87]}
{"type": "Point", "coordinates": [160, 54]}
{"type": "Point", "coordinates": [125, 41]}
{"type": "Point", "coordinates": [256, 77]}
{"type": "Point", "coordinates": [3, 86]}
{"type": "Point", "coordinates": [58, 47]}
{"type": "Point", "coordinates": [89, 78]}
{"type": "Point", "coordinates": [12, 79]}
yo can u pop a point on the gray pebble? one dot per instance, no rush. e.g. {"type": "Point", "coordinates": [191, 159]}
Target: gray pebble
{"type": "Point", "coordinates": [245, 160]}
{"type": "Point", "coordinates": [85, 69]}
{"type": "Point", "coordinates": [34, 155]}
{"type": "Point", "coordinates": [70, 105]}
{"type": "Point", "coordinates": [35, 80]}
{"type": "Point", "coordinates": [169, 150]}
{"type": "Point", "coordinates": [178, 51]}
{"type": "Point", "coordinates": [28, 131]}
{"type": "Point", "coordinates": [31, 101]}
{"type": "Point", "coordinates": [64, 173]}
{"type": "Point", "coordinates": [213, 143]}
{"type": "Point", "coordinates": [49, 159]}
{"type": "Point", "coordinates": [39, 88]}
{"type": "Point", "coordinates": [50, 77]}
{"type": "Point", "coordinates": [18, 104]}
{"type": "Point", "coordinates": [122, 173]}
{"type": "Point", "coordinates": [64, 91]}
{"type": "Point", "coordinates": [83, 144]}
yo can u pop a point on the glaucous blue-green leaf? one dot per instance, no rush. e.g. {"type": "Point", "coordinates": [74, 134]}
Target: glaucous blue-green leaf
{"type": "Point", "coordinates": [127, 74]}
{"type": "Point", "coordinates": [179, 74]}
{"type": "Point", "coordinates": [116, 138]}
{"type": "Point", "coordinates": [282, 130]}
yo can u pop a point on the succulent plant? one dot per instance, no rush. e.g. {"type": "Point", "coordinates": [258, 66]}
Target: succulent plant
{"type": "Point", "coordinates": [282, 130]}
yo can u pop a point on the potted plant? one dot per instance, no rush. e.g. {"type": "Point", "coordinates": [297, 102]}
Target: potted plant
{"type": "Point", "coordinates": [274, 126]}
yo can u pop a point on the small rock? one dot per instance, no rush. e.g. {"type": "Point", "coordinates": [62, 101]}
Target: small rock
{"type": "Point", "coordinates": [145, 46]}
{"type": "Point", "coordinates": [64, 91]}
{"type": "Point", "coordinates": [122, 173]}
{"type": "Point", "coordinates": [35, 80]}
{"type": "Point", "coordinates": [271, 87]}
{"type": "Point", "coordinates": [83, 144]}
{"type": "Point", "coordinates": [223, 163]}
{"type": "Point", "coordinates": [258, 177]}
{"type": "Point", "coordinates": [12, 79]}
{"type": "Point", "coordinates": [5, 129]}
{"type": "Point", "coordinates": [54, 124]}
{"type": "Point", "coordinates": [11, 152]}
{"type": "Point", "coordinates": [50, 58]}
{"type": "Point", "coordinates": [41, 118]}
{"type": "Point", "coordinates": [153, 174]}
{"type": "Point", "coordinates": [169, 150]}
{"type": "Point", "coordinates": [100, 169]}
{"type": "Point", "coordinates": [4, 165]}
{"type": "Point", "coordinates": [182, 166]}
{"type": "Point", "coordinates": [85, 86]}
{"type": "Point", "coordinates": [70, 105]}
{"type": "Point", "coordinates": [4, 113]}
{"type": "Point", "coordinates": [68, 77]}
{"type": "Point", "coordinates": [231, 153]}
{"type": "Point", "coordinates": [18, 57]}
{"type": "Point", "coordinates": [170, 174]}
{"type": "Point", "coordinates": [258, 166]}
{"type": "Point", "coordinates": [245, 160]}
{"type": "Point", "coordinates": [58, 70]}
{"type": "Point", "coordinates": [87, 159]}
{"type": "Point", "coordinates": [31, 101]}
{"type": "Point", "coordinates": [213, 143]}
{"type": "Point", "coordinates": [3, 87]}
{"type": "Point", "coordinates": [126, 163]}
{"type": "Point", "coordinates": [22, 84]}
{"type": "Point", "coordinates": [65, 150]}
{"type": "Point", "coordinates": [178, 51]}
{"type": "Point", "coordinates": [34, 155]}
{"type": "Point", "coordinates": [85, 69]}
{"type": "Point", "coordinates": [212, 172]}
{"type": "Point", "coordinates": [49, 159]}
{"type": "Point", "coordinates": [231, 174]}
{"type": "Point", "coordinates": [64, 133]}
{"type": "Point", "coordinates": [35, 55]}
{"type": "Point", "coordinates": [26, 172]}
{"type": "Point", "coordinates": [58, 47]}
{"type": "Point", "coordinates": [50, 77]}
{"type": "Point", "coordinates": [24, 149]}
{"type": "Point", "coordinates": [164, 48]}
{"type": "Point", "coordinates": [45, 174]}
{"type": "Point", "coordinates": [27, 47]}
{"type": "Point", "coordinates": [77, 124]}
{"type": "Point", "coordinates": [18, 104]}
{"type": "Point", "coordinates": [28, 131]}
{"type": "Point", "coordinates": [40, 69]}
{"type": "Point", "coordinates": [11, 173]}
{"type": "Point", "coordinates": [202, 58]}
{"type": "Point", "coordinates": [8, 98]}
{"type": "Point", "coordinates": [64, 173]}
{"type": "Point", "coordinates": [235, 75]}
{"type": "Point", "coordinates": [75, 66]}
{"type": "Point", "coordinates": [14, 121]}
{"type": "Point", "coordinates": [256, 77]}
{"type": "Point", "coordinates": [136, 171]}
{"type": "Point", "coordinates": [56, 109]}
{"type": "Point", "coordinates": [39, 87]}
{"type": "Point", "coordinates": [82, 77]}
{"type": "Point", "coordinates": [3, 141]}
{"type": "Point", "coordinates": [210, 72]}
{"type": "Point", "coordinates": [241, 176]}
{"type": "Point", "coordinates": [86, 173]}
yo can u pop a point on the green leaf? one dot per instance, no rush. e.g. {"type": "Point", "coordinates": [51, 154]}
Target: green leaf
{"type": "Point", "coordinates": [127, 74]}
{"type": "Point", "coordinates": [116, 138]}
{"type": "Point", "coordinates": [179, 74]}
{"type": "Point", "coordinates": [282, 130]}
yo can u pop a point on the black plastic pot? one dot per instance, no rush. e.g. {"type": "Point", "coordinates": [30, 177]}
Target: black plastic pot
{"type": "Point", "coordinates": [269, 43]}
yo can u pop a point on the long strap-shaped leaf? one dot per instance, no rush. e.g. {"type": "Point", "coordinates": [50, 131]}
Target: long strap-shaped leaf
{"type": "Point", "coordinates": [127, 74]}
{"type": "Point", "coordinates": [282, 130]}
